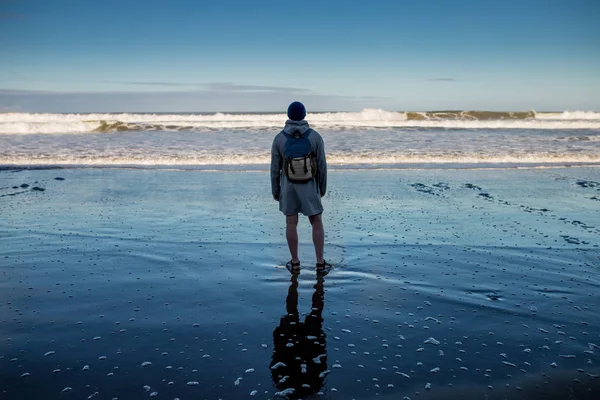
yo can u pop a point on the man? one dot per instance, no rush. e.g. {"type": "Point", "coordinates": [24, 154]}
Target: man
{"type": "Point", "coordinates": [298, 181]}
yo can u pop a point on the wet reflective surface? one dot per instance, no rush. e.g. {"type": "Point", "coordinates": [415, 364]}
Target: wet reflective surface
{"type": "Point", "coordinates": [135, 284]}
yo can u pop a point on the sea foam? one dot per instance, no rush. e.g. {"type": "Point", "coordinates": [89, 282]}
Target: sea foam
{"type": "Point", "coordinates": [30, 123]}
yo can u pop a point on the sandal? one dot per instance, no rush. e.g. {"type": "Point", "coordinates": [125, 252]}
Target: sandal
{"type": "Point", "coordinates": [324, 267]}
{"type": "Point", "coordinates": [293, 267]}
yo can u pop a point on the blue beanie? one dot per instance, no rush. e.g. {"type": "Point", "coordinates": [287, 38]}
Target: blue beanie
{"type": "Point", "coordinates": [296, 111]}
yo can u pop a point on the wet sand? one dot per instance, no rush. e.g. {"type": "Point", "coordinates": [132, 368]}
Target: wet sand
{"type": "Point", "coordinates": [451, 284]}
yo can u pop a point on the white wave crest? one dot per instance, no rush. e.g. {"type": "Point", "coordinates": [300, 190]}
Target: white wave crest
{"type": "Point", "coordinates": [334, 159]}
{"type": "Point", "coordinates": [569, 115]}
{"type": "Point", "coordinates": [31, 123]}
{"type": "Point", "coordinates": [47, 127]}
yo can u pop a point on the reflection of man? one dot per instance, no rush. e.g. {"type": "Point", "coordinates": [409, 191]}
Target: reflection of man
{"type": "Point", "coordinates": [299, 361]}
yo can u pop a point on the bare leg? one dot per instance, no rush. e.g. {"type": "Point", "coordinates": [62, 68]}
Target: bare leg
{"type": "Point", "coordinates": [318, 235]}
{"type": "Point", "coordinates": [291, 234]}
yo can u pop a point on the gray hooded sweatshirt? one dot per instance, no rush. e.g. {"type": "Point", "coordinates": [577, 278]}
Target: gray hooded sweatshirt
{"type": "Point", "coordinates": [298, 197]}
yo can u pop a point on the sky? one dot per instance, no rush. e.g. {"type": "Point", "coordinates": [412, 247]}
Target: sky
{"type": "Point", "coordinates": [258, 56]}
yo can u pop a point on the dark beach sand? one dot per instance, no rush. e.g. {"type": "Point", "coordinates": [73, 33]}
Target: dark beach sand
{"type": "Point", "coordinates": [130, 284]}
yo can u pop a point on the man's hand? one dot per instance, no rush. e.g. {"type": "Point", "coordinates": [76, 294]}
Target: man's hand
{"type": "Point", "coordinates": [276, 197]}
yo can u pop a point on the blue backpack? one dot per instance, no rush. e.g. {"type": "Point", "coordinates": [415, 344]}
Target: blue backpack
{"type": "Point", "coordinates": [299, 161]}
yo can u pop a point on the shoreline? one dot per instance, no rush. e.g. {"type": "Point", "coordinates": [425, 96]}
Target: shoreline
{"type": "Point", "coordinates": [332, 167]}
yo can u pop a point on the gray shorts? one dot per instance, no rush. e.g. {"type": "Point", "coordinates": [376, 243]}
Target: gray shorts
{"type": "Point", "coordinates": [300, 198]}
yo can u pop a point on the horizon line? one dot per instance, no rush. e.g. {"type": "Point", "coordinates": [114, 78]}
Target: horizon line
{"type": "Point", "coordinates": [308, 112]}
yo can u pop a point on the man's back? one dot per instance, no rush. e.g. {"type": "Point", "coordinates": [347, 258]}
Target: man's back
{"type": "Point", "coordinates": [277, 156]}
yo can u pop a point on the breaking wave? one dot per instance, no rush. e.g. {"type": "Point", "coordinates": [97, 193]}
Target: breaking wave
{"type": "Point", "coordinates": [32, 123]}
{"type": "Point", "coordinates": [335, 160]}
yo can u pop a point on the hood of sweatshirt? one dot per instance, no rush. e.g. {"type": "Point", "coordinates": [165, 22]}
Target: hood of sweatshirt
{"type": "Point", "coordinates": [293, 126]}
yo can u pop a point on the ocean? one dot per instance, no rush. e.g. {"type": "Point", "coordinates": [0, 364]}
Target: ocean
{"type": "Point", "coordinates": [369, 139]}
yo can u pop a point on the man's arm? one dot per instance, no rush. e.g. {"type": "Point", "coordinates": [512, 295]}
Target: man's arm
{"type": "Point", "coordinates": [321, 166]}
{"type": "Point", "coordinates": [276, 164]}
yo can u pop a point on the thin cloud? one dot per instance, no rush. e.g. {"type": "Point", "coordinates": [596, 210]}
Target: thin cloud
{"type": "Point", "coordinates": [20, 92]}
{"type": "Point", "coordinates": [442, 80]}
{"type": "Point", "coordinates": [218, 86]}
{"type": "Point", "coordinates": [206, 87]}
{"type": "Point", "coordinates": [374, 98]}
{"type": "Point", "coordinates": [152, 83]}
{"type": "Point", "coordinates": [231, 98]}
{"type": "Point", "coordinates": [231, 87]}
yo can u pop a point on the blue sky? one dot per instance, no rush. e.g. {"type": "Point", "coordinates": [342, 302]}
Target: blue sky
{"type": "Point", "coordinates": [174, 55]}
